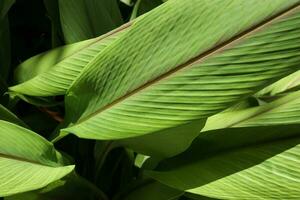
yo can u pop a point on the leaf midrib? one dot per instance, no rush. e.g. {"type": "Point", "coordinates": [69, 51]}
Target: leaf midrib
{"type": "Point", "coordinates": [200, 58]}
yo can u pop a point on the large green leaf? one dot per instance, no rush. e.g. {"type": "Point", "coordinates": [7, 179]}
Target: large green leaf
{"type": "Point", "coordinates": [267, 170]}
{"type": "Point", "coordinates": [27, 161]}
{"type": "Point", "coordinates": [52, 73]}
{"type": "Point", "coordinates": [171, 69]}
{"type": "Point", "coordinates": [84, 19]}
{"type": "Point", "coordinates": [242, 163]}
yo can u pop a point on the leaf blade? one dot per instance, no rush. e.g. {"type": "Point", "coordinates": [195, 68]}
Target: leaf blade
{"type": "Point", "coordinates": [148, 107]}
{"type": "Point", "coordinates": [28, 161]}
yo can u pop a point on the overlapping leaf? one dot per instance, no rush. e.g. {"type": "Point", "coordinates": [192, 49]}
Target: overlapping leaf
{"type": "Point", "coordinates": [27, 161]}
{"type": "Point", "coordinates": [284, 85]}
{"type": "Point", "coordinates": [52, 73]}
{"type": "Point", "coordinates": [171, 69]}
{"type": "Point", "coordinates": [254, 155]}
{"type": "Point", "coordinates": [283, 111]}
{"type": "Point", "coordinates": [266, 171]}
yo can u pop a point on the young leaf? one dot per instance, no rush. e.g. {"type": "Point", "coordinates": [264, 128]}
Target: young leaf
{"type": "Point", "coordinates": [27, 161]}
{"type": "Point", "coordinates": [162, 73]}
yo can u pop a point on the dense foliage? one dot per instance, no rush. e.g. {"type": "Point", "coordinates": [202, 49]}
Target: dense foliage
{"type": "Point", "coordinates": [149, 99]}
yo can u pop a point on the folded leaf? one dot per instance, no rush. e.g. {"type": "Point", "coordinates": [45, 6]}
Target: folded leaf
{"type": "Point", "coordinates": [289, 83]}
{"type": "Point", "coordinates": [27, 161]}
{"type": "Point", "coordinates": [283, 111]}
{"type": "Point", "coordinates": [171, 69]}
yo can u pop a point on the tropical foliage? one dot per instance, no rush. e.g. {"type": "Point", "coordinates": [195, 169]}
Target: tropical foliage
{"type": "Point", "coordinates": [149, 99]}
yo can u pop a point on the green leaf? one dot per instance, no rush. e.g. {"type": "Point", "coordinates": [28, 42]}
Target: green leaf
{"type": "Point", "coordinates": [263, 170]}
{"type": "Point", "coordinates": [7, 115]}
{"type": "Point", "coordinates": [4, 7]}
{"type": "Point", "coordinates": [162, 74]}
{"type": "Point", "coordinates": [165, 143]}
{"type": "Point", "coordinates": [242, 163]}
{"type": "Point", "coordinates": [84, 19]}
{"type": "Point", "coordinates": [52, 73]}
{"type": "Point", "coordinates": [285, 110]}
{"type": "Point", "coordinates": [70, 187]}
{"type": "Point", "coordinates": [53, 12]}
{"type": "Point", "coordinates": [128, 2]}
{"type": "Point", "coordinates": [46, 61]}
{"type": "Point", "coordinates": [28, 161]}
{"type": "Point", "coordinates": [289, 83]}
{"type": "Point", "coordinates": [143, 6]}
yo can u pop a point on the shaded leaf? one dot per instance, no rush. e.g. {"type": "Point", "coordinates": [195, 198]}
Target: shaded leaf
{"type": "Point", "coordinates": [53, 12]}
{"type": "Point", "coordinates": [143, 6]}
{"type": "Point", "coordinates": [70, 187]}
{"type": "Point", "coordinates": [166, 143]}
{"type": "Point", "coordinates": [254, 171]}
{"type": "Point", "coordinates": [84, 19]}
{"type": "Point", "coordinates": [4, 38]}
{"type": "Point", "coordinates": [153, 190]}
{"type": "Point", "coordinates": [7, 115]}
